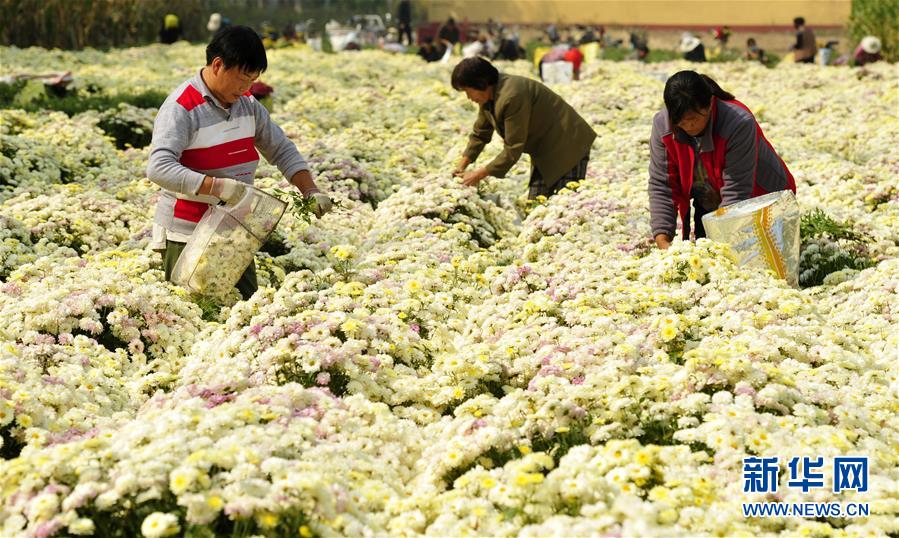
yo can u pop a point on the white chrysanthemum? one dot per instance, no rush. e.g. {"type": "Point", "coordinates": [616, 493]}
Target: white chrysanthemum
{"type": "Point", "coordinates": [159, 524]}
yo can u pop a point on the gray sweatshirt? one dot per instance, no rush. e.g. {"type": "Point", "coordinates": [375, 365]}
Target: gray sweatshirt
{"type": "Point", "coordinates": [195, 136]}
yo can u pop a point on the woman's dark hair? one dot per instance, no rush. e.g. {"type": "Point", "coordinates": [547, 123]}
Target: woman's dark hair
{"type": "Point", "coordinates": [476, 73]}
{"type": "Point", "coordinates": [238, 46]}
{"type": "Point", "coordinates": [688, 90]}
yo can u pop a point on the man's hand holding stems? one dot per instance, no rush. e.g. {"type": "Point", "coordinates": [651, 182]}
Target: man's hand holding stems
{"type": "Point", "coordinates": [232, 191]}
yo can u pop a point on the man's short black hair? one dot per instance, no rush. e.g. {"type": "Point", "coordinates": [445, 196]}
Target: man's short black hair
{"type": "Point", "coordinates": [798, 21]}
{"type": "Point", "coordinates": [476, 73]}
{"type": "Point", "coordinates": [238, 46]}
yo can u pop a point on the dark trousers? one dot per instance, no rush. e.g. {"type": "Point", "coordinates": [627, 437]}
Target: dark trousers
{"type": "Point", "coordinates": [247, 285]}
{"type": "Point", "coordinates": [539, 186]}
{"type": "Point", "coordinates": [698, 227]}
{"type": "Point", "coordinates": [405, 30]}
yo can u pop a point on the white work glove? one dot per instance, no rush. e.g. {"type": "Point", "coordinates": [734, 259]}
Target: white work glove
{"type": "Point", "coordinates": [322, 203]}
{"type": "Point", "coordinates": [228, 190]}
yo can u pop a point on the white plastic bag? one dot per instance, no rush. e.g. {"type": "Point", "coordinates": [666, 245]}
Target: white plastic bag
{"type": "Point", "coordinates": [762, 232]}
{"type": "Point", "coordinates": [225, 241]}
{"type": "Point", "coordinates": [558, 72]}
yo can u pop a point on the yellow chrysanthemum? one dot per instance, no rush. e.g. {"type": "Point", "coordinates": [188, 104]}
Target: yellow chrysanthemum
{"type": "Point", "coordinates": [668, 333]}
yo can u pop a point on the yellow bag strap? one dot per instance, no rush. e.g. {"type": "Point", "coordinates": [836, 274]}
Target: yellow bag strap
{"type": "Point", "coordinates": [762, 221]}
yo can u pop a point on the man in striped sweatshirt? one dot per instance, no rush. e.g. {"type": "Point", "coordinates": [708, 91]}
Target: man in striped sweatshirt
{"type": "Point", "coordinates": [204, 145]}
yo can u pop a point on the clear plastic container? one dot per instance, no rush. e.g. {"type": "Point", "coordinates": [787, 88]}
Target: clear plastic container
{"type": "Point", "coordinates": [762, 232]}
{"type": "Point", "coordinates": [224, 242]}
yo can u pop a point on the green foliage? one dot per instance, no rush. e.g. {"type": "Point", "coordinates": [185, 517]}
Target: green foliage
{"type": "Point", "coordinates": [817, 223]}
{"type": "Point", "coordinates": [119, 522]}
{"type": "Point", "coordinates": [76, 24]}
{"type": "Point", "coordinates": [493, 458]}
{"type": "Point", "coordinates": [531, 47]}
{"type": "Point", "coordinates": [727, 55]}
{"type": "Point", "coordinates": [662, 55]}
{"type": "Point", "coordinates": [129, 126]}
{"type": "Point", "coordinates": [303, 208]}
{"type": "Point", "coordinates": [8, 92]}
{"type": "Point", "coordinates": [556, 445]}
{"type": "Point", "coordinates": [291, 371]}
{"type": "Point", "coordinates": [125, 134]}
{"type": "Point", "coordinates": [288, 523]}
{"type": "Point", "coordinates": [829, 246]}
{"type": "Point", "coordinates": [127, 118]}
{"type": "Point", "coordinates": [211, 308]}
{"type": "Point", "coordinates": [659, 432]}
{"type": "Point", "coordinates": [829, 258]}
{"type": "Point", "coordinates": [275, 245]}
{"type": "Point", "coordinates": [879, 18]}
{"type": "Point", "coordinates": [75, 102]}
{"type": "Point", "coordinates": [564, 439]}
{"type": "Point", "coordinates": [12, 445]}
{"type": "Point", "coordinates": [773, 59]}
{"type": "Point", "coordinates": [617, 54]}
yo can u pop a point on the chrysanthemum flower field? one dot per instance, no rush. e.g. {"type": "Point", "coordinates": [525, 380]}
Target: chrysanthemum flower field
{"type": "Point", "coordinates": [437, 360]}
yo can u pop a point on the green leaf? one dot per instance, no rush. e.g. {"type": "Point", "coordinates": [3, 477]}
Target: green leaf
{"type": "Point", "coordinates": [302, 208]}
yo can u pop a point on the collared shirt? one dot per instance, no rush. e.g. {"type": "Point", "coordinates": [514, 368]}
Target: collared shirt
{"type": "Point", "coordinates": [489, 106]}
{"type": "Point", "coordinates": [700, 178]}
{"type": "Point", "coordinates": [702, 190]}
{"type": "Point", "coordinates": [700, 144]}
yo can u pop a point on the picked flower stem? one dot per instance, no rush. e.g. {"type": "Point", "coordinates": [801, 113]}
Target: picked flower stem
{"type": "Point", "coordinates": [303, 208]}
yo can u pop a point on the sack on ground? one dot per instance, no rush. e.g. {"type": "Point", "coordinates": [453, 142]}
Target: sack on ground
{"type": "Point", "coordinates": [558, 72]}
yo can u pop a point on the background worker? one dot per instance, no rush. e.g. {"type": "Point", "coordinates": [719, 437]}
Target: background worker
{"type": "Point", "coordinates": [805, 48]}
{"type": "Point", "coordinates": [868, 51]}
{"type": "Point", "coordinates": [531, 119]}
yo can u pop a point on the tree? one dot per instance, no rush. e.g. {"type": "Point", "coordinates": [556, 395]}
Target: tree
{"type": "Point", "coordinates": [879, 18]}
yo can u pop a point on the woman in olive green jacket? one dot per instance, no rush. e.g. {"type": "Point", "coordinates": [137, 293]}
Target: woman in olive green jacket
{"type": "Point", "coordinates": [531, 119]}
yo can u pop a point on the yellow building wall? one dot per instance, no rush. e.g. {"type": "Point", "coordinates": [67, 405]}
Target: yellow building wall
{"type": "Point", "coordinates": [643, 12]}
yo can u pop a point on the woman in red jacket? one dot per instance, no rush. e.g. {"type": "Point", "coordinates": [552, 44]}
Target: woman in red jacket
{"type": "Point", "coordinates": [706, 146]}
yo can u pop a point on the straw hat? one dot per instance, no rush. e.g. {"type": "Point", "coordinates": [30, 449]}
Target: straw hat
{"type": "Point", "coordinates": [689, 42]}
{"type": "Point", "coordinates": [871, 44]}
